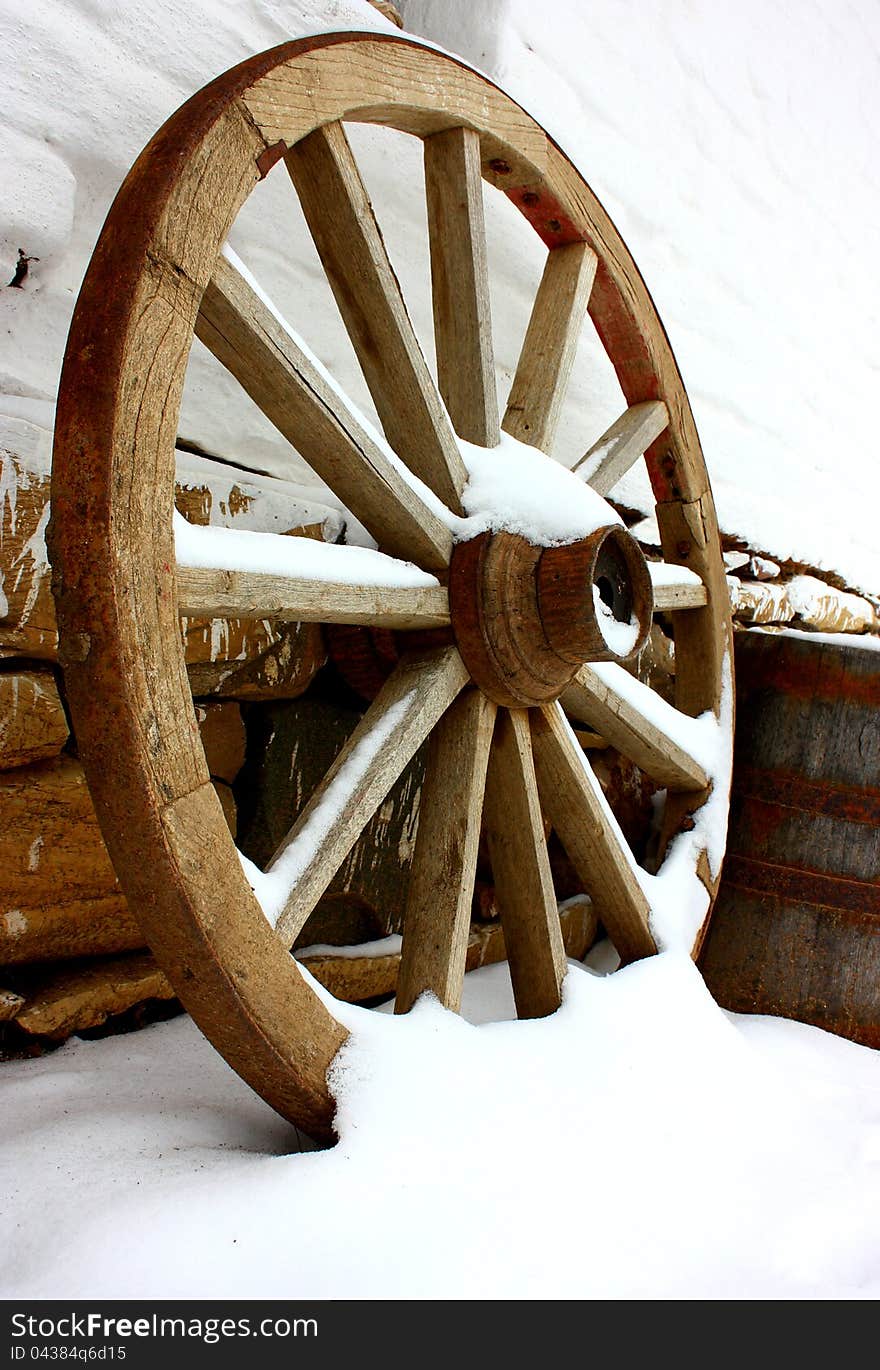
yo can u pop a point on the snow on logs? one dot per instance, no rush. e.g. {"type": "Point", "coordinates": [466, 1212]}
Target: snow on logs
{"type": "Point", "coordinates": [237, 657]}
{"type": "Point", "coordinates": [74, 998]}
{"type": "Point", "coordinates": [804, 600]}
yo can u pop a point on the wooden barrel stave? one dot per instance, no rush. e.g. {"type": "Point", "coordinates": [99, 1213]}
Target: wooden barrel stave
{"type": "Point", "coordinates": [796, 929]}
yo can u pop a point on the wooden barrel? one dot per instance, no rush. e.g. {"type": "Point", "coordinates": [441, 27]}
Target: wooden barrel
{"type": "Point", "coordinates": [796, 927]}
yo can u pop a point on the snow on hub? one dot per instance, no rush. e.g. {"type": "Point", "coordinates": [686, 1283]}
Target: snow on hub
{"type": "Point", "coordinates": [526, 617]}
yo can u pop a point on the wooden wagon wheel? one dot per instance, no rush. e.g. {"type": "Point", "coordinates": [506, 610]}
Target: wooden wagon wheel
{"type": "Point", "coordinates": [526, 622]}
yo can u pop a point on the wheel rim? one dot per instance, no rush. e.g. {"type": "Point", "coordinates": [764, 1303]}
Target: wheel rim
{"type": "Point", "coordinates": [156, 276]}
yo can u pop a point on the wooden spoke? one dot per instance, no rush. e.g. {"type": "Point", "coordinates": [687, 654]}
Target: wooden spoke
{"type": "Point", "coordinates": [622, 444]}
{"type": "Point", "coordinates": [676, 587]}
{"type": "Point", "coordinates": [637, 721]}
{"type": "Point", "coordinates": [349, 242]}
{"type": "Point", "coordinates": [460, 284]}
{"type": "Point", "coordinates": [438, 906]}
{"type": "Point", "coordinates": [521, 870]}
{"type": "Point", "coordinates": [276, 370]}
{"type": "Point", "coordinates": [412, 700]}
{"type": "Point", "coordinates": [549, 347]}
{"type": "Point", "coordinates": [574, 804]}
{"type": "Point", "coordinates": [204, 592]}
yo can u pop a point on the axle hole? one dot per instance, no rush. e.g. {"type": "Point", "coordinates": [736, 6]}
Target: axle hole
{"type": "Point", "coordinates": [611, 578]}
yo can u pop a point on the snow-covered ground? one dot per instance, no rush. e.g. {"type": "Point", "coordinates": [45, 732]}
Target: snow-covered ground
{"type": "Point", "coordinates": [639, 1143]}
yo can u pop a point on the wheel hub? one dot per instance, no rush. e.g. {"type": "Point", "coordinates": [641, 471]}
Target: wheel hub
{"type": "Point", "coordinates": [525, 618]}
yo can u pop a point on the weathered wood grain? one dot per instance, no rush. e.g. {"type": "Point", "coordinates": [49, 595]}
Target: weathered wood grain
{"type": "Point", "coordinates": [636, 343]}
{"type": "Point", "coordinates": [246, 657]}
{"type": "Point", "coordinates": [521, 869]}
{"type": "Point", "coordinates": [670, 595]}
{"type": "Point", "coordinates": [134, 321]}
{"type": "Point", "coordinates": [33, 724]}
{"type": "Point", "coordinates": [59, 896]}
{"type": "Point", "coordinates": [621, 445]}
{"type": "Point", "coordinates": [214, 593]}
{"type": "Point", "coordinates": [597, 848]}
{"type": "Point", "coordinates": [67, 928]}
{"type": "Point", "coordinates": [611, 711]}
{"type": "Point", "coordinates": [290, 658]}
{"type": "Point", "coordinates": [70, 1000]}
{"type": "Point", "coordinates": [438, 909]}
{"type": "Point", "coordinates": [397, 722]}
{"type": "Point", "coordinates": [349, 242]}
{"type": "Point", "coordinates": [227, 804]}
{"type": "Point", "coordinates": [460, 284]}
{"type": "Point", "coordinates": [549, 347]}
{"type": "Point", "coordinates": [703, 639]}
{"type": "Point", "coordinates": [371, 78]}
{"type": "Point", "coordinates": [237, 943]}
{"type": "Point", "coordinates": [221, 728]}
{"type": "Point", "coordinates": [273, 367]}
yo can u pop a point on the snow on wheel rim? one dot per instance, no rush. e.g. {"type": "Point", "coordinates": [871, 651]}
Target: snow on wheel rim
{"type": "Point", "coordinates": [157, 275]}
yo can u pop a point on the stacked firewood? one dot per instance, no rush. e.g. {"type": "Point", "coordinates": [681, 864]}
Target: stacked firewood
{"type": "Point", "coordinates": [71, 953]}
{"type": "Point", "coordinates": [766, 592]}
